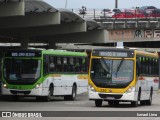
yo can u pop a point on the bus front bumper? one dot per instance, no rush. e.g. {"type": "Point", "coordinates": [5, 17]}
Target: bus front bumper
{"type": "Point", "coordinates": [34, 92]}
{"type": "Point", "coordinates": [127, 96]}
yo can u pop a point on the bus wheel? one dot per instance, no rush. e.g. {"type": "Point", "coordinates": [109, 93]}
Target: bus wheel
{"type": "Point", "coordinates": [50, 94]}
{"type": "Point", "coordinates": [142, 102]}
{"type": "Point", "coordinates": [134, 103]}
{"type": "Point", "coordinates": [98, 103]}
{"type": "Point", "coordinates": [149, 102]}
{"type": "Point", "coordinates": [74, 93]}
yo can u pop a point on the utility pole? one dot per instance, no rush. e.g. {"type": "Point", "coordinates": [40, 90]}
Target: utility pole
{"type": "Point", "coordinates": [66, 3]}
{"type": "Point", "coordinates": [116, 3]}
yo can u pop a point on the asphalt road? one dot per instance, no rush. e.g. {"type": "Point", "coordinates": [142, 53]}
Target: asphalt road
{"type": "Point", "coordinates": [80, 104]}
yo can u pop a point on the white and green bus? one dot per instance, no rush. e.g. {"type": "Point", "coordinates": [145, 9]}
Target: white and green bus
{"type": "Point", "coordinates": [44, 73]}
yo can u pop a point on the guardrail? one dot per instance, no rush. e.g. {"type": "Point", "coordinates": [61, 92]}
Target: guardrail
{"type": "Point", "coordinates": [111, 23]}
{"type": "Point", "coordinates": [118, 23]}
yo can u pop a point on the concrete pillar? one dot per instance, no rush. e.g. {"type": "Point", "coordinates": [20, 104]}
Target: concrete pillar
{"type": "Point", "coordinates": [136, 25]}
{"type": "Point", "coordinates": [24, 43]}
{"type": "Point", "coordinates": [116, 3]}
{"type": "Point", "coordinates": [31, 20]}
{"type": "Point", "coordinates": [148, 24]}
{"type": "Point", "coordinates": [12, 9]}
{"type": "Point", "coordinates": [158, 24]}
{"type": "Point", "coordinates": [159, 71]}
{"type": "Point", "coordinates": [52, 45]}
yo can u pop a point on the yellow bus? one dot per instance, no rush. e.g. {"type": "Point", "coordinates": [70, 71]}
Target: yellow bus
{"type": "Point", "coordinates": [123, 75]}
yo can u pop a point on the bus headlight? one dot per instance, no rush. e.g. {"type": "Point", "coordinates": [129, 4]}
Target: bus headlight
{"type": "Point", "coordinates": [92, 88]}
{"type": "Point", "coordinates": [130, 89]}
{"type": "Point", "coordinates": [37, 86]}
{"type": "Point", "coordinates": [5, 85]}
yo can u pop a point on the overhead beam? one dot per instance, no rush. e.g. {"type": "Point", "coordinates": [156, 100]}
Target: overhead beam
{"type": "Point", "coordinates": [94, 36]}
{"type": "Point", "coordinates": [64, 28]}
{"type": "Point", "coordinates": [24, 43]}
{"type": "Point", "coordinates": [12, 8]}
{"type": "Point", "coordinates": [31, 20]}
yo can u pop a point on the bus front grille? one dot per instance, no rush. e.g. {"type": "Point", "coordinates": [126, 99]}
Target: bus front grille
{"type": "Point", "coordinates": [115, 96]}
{"type": "Point", "coordinates": [15, 92]}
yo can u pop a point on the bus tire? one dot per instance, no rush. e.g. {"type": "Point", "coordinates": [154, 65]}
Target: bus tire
{"type": "Point", "coordinates": [134, 103]}
{"type": "Point", "coordinates": [142, 102]}
{"type": "Point", "coordinates": [98, 103]}
{"type": "Point", "coordinates": [149, 102]}
{"type": "Point", "coordinates": [50, 94]}
{"type": "Point", "coordinates": [72, 97]}
{"type": "Point", "coordinates": [139, 94]}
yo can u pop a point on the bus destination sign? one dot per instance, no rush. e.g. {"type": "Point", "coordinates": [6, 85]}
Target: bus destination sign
{"type": "Point", "coordinates": [113, 53]}
{"type": "Point", "coordinates": [23, 54]}
{"type": "Point", "coordinates": [14, 54]}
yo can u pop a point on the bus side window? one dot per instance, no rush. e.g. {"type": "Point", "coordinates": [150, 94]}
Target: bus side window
{"type": "Point", "coordinates": [83, 65]}
{"type": "Point", "coordinates": [59, 66]}
{"type": "Point", "coordinates": [46, 62]}
{"type": "Point", "coordinates": [150, 66]}
{"type": "Point", "coordinates": [65, 64]}
{"type": "Point", "coordinates": [51, 64]}
{"type": "Point", "coordinates": [147, 66]}
{"type": "Point", "coordinates": [59, 60]}
{"type": "Point", "coordinates": [71, 64]}
{"type": "Point", "coordinates": [64, 60]}
{"type": "Point", "coordinates": [77, 65]}
{"type": "Point", "coordinates": [153, 66]}
{"type": "Point", "coordinates": [138, 66]}
{"type": "Point", "coordinates": [143, 66]}
{"type": "Point", "coordinates": [156, 67]}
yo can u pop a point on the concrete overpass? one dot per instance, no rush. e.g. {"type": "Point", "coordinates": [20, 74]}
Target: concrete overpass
{"type": "Point", "coordinates": [11, 8]}
{"type": "Point", "coordinates": [40, 20]}
{"type": "Point", "coordinates": [34, 21]}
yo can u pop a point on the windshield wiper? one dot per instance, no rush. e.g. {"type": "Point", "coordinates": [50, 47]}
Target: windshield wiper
{"type": "Point", "coordinates": [103, 60]}
{"type": "Point", "coordinates": [107, 68]}
{"type": "Point", "coordinates": [119, 66]}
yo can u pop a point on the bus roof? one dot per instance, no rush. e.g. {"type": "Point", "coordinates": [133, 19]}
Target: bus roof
{"type": "Point", "coordinates": [135, 51]}
{"type": "Point", "coordinates": [64, 53]}
{"type": "Point", "coordinates": [113, 49]}
{"type": "Point", "coordinates": [113, 52]}
{"type": "Point", "coordinates": [148, 54]}
{"type": "Point", "coordinates": [39, 53]}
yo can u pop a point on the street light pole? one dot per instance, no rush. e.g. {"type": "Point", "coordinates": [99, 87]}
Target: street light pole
{"type": "Point", "coordinates": [66, 3]}
{"type": "Point", "coordinates": [116, 3]}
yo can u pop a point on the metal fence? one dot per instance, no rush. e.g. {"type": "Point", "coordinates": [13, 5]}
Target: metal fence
{"type": "Point", "coordinates": [117, 23]}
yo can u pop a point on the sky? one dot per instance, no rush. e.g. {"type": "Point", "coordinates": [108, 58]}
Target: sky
{"type": "Point", "coordinates": [103, 3]}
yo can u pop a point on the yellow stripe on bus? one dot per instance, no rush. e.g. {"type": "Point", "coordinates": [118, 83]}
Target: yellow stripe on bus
{"type": "Point", "coordinates": [82, 76]}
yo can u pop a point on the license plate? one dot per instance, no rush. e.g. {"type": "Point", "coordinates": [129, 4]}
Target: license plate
{"type": "Point", "coordinates": [110, 97]}
{"type": "Point", "coordinates": [20, 93]}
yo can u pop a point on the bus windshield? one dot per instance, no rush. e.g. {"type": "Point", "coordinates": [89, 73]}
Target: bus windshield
{"type": "Point", "coordinates": [21, 70]}
{"type": "Point", "coordinates": [112, 73]}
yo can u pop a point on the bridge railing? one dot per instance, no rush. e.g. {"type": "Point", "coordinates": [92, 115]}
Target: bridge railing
{"type": "Point", "coordinates": [118, 23]}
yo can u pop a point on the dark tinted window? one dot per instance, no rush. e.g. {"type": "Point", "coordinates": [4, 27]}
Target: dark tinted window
{"type": "Point", "coordinates": [148, 66]}
{"type": "Point", "coordinates": [56, 64]}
